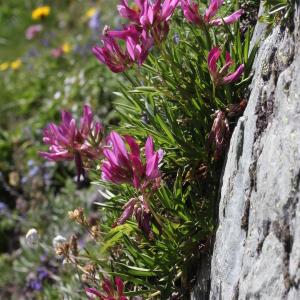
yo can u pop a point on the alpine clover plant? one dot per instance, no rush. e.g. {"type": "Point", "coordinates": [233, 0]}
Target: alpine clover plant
{"type": "Point", "coordinates": [67, 141]}
{"type": "Point", "coordinates": [184, 97]}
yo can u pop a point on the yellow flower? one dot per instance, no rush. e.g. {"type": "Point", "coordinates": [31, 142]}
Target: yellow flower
{"type": "Point", "coordinates": [66, 47]}
{"type": "Point", "coordinates": [4, 66]}
{"type": "Point", "coordinates": [15, 65]}
{"type": "Point", "coordinates": [40, 12]}
{"type": "Point", "coordinates": [90, 12]}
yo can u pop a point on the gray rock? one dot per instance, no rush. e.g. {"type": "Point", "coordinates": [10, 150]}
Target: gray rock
{"type": "Point", "coordinates": [257, 249]}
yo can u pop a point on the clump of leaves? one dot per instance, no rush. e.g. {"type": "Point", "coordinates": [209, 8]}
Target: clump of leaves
{"type": "Point", "coordinates": [173, 98]}
{"type": "Point", "coordinates": [277, 10]}
{"type": "Point", "coordinates": [187, 96]}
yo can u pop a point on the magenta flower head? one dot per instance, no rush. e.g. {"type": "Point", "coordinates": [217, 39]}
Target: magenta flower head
{"type": "Point", "coordinates": [138, 44]}
{"type": "Point", "coordinates": [112, 55]}
{"type": "Point", "coordinates": [32, 31]}
{"type": "Point", "coordinates": [191, 12]}
{"type": "Point", "coordinates": [67, 141]}
{"type": "Point", "coordinates": [222, 76]}
{"type": "Point", "coordinates": [152, 16]}
{"type": "Point", "coordinates": [131, 13]}
{"type": "Point", "coordinates": [220, 134]}
{"type": "Point", "coordinates": [126, 166]}
{"type": "Point", "coordinates": [111, 291]}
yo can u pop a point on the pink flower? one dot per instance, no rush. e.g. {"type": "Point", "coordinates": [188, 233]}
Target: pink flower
{"type": "Point", "coordinates": [130, 13]}
{"type": "Point", "coordinates": [220, 134]}
{"type": "Point", "coordinates": [191, 12]}
{"type": "Point", "coordinates": [222, 76]}
{"type": "Point", "coordinates": [213, 9]}
{"type": "Point", "coordinates": [152, 16]}
{"type": "Point", "coordinates": [68, 142]}
{"type": "Point", "coordinates": [138, 44]}
{"type": "Point", "coordinates": [57, 52]}
{"type": "Point", "coordinates": [112, 291]}
{"type": "Point", "coordinates": [147, 13]}
{"type": "Point", "coordinates": [112, 55]}
{"type": "Point", "coordinates": [33, 31]}
{"type": "Point", "coordinates": [123, 166]}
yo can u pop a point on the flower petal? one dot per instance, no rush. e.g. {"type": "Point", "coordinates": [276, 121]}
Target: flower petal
{"type": "Point", "coordinates": [149, 148]}
{"type": "Point", "coordinates": [120, 286]}
{"type": "Point", "coordinates": [91, 292]}
{"type": "Point", "coordinates": [227, 20]}
{"type": "Point", "coordinates": [212, 59]}
{"type": "Point", "coordinates": [119, 147]}
{"type": "Point", "coordinates": [152, 170]}
{"type": "Point", "coordinates": [212, 9]}
{"type": "Point", "coordinates": [127, 212]}
{"type": "Point", "coordinates": [235, 75]}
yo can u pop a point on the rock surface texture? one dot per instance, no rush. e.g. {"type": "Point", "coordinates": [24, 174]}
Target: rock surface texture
{"type": "Point", "coordinates": [257, 249]}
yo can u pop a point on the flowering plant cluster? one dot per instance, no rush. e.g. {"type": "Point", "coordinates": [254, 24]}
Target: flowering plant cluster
{"type": "Point", "coordinates": [191, 12]}
{"type": "Point", "coordinates": [67, 141]}
{"type": "Point", "coordinates": [158, 211]}
{"type": "Point", "coordinates": [148, 26]}
{"type": "Point", "coordinates": [85, 143]}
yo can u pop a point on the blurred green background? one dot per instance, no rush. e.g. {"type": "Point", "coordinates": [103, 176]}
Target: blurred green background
{"type": "Point", "coordinates": [39, 76]}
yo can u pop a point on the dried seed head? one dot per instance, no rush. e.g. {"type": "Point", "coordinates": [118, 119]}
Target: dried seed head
{"type": "Point", "coordinates": [77, 215]}
{"type": "Point", "coordinates": [73, 245]}
{"type": "Point", "coordinates": [60, 245]}
{"type": "Point", "coordinates": [90, 269]}
{"type": "Point", "coordinates": [95, 231]}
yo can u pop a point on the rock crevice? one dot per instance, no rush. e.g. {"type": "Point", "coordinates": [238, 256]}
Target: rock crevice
{"type": "Point", "coordinates": [257, 249]}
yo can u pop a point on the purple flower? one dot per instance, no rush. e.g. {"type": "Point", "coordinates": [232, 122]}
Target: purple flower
{"type": "Point", "coordinates": [123, 166]}
{"type": "Point", "coordinates": [94, 22]}
{"type": "Point", "coordinates": [191, 12]}
{"type": "Point", "coordinates": [35, 280]}
{"type": "Point", "coordinates": [35, 285]}
{"type": "Point", "coordinates": [4, 210]}
{"type": "Point", "coordinates": [68, 142]}
{"type": "Point", "coordinates": [42, 274]}
{"type": "Point", "coordinates": [222, 76]}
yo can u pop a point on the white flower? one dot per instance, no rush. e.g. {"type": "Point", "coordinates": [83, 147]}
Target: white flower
{"type": "Point", "coordinates": [57, 95]}
{"type": "Point", "coordinates": [32, 237]}
{"type": "Point", "coordinates": [58, 241]}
